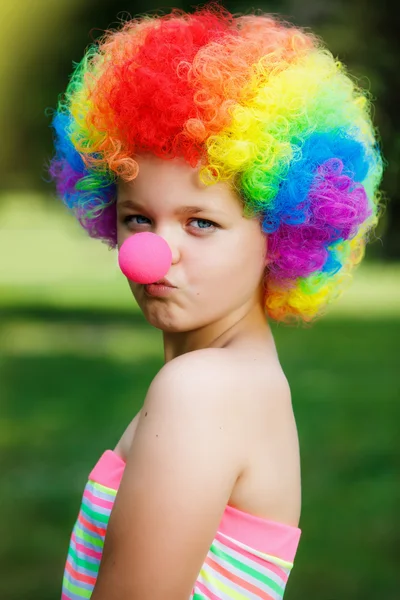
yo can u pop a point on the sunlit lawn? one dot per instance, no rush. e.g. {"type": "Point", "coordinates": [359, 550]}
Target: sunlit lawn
{"type": "Point", "coordinates": [76, 358]}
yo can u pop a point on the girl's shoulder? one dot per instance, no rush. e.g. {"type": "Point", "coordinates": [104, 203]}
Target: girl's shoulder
{"type": "Point", "coordinates": [256, 377]}
{"type": "Point", "coordinates": [265, 439]}
{"type": "Point", "coordinates": [247, 377]}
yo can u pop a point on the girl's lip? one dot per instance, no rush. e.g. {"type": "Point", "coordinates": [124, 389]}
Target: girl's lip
{"type": "Point", "coordinates": [154, 289]}
{"type": "Point", "coordinates": [165, 282]}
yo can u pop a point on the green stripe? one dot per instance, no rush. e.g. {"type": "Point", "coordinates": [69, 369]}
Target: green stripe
{"type": "Point", "coordinates": [77, 590]}
{"type": "Point", "coordinates": [246, 569]}
{"type": "Point", "coordinates": [89, 538]}
{"type": "Point", "coordinates": [93, 514]}
{"type": "Point", "coordinates": [199, 597]}
{"type": "Point", "coordinates": [103, 488]}
{"type": "Point", "coordinates": [82, 562]}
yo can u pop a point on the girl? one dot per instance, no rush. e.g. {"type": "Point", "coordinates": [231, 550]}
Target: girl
{"type": "Point", "coordinates": [244, 145]}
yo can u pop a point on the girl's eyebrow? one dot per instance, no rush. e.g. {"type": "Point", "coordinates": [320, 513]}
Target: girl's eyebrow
{"type": "Point", "coordinates": [182, 210]}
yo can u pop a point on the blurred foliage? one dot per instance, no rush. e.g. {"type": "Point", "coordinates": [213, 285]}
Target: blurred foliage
{"type": "Point", "coordinates": [71, 380]}
{"type": "Point", "coordinates": [42, 38]}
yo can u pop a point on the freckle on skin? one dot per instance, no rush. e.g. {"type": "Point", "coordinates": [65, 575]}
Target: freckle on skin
{"type": "Point", "coordinates": [145, 414]}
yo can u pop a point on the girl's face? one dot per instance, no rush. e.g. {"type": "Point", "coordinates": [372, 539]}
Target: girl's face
{"type": "Point", "coordinates": [218, 256]}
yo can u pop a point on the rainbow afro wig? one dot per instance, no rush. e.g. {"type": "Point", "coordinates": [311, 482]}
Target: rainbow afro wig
{"type": "Point", "coordinates": [255, 102]}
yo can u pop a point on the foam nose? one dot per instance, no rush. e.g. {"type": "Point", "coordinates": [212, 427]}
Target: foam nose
{"type": "Point", "coordinates": [145, 257]}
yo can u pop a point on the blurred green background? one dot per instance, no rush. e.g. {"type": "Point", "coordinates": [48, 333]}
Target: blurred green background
{"type": "Point", "coordinates": [76, 356]}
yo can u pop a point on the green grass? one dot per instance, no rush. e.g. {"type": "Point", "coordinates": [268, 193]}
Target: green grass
{"type": "Point", "coordinates": [77, 358]}
{"type": "Point", "coordinates": [72, 380]}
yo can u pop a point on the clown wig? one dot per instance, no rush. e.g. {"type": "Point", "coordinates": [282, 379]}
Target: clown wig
{"type": "Point", "coordinates": [253, 101]}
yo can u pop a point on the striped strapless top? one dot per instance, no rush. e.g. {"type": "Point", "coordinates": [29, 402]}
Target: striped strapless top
{"type": "Point", "coordinates": [250, 557]}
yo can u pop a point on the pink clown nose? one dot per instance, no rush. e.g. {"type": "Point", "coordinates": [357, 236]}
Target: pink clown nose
{"type": "Point", "coordinates": [145, 257]}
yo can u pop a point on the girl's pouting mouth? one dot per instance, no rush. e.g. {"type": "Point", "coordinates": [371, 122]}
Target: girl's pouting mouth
{"type": "Point", "coordinates": [159, 290]}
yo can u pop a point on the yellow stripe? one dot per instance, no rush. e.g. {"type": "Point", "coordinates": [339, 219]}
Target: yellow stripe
{"type": "Point", "coordinates": [81, 535]}
{"type": "Point", "coordinates": [222, 587]}
{"type": "Point", "coordinates": [273, 559]}
{"type": "Point", "coordinates": [103, 488]}
{"type": "Point", "coordinates": [77, 590]}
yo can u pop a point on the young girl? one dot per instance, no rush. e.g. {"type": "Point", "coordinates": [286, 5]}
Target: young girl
{"type": "Point", "coordinates": [244, 145]}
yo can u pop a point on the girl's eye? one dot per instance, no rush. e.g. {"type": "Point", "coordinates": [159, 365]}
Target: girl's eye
{"type": "Point", "coordinates": [127, 221]}
{"type": "Point", "coordinates": [213, 225]}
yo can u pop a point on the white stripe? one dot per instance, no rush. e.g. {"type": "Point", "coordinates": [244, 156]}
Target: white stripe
{"type": "Point", "coordinates": [100, 491]}
{"type": "Point", "coordinates": [88, 544]}
{"type": "Point", "coordinates": [284, 564]}
{"type": "Point", "coordinates": [89, 504]}
{"type": "Point", "coordinates": [263, 570]}
{"type": "Point", "coordinates": [81, 569]}
{"type": "Point", "coordinates": [247, 561]}
{"type": "Point", "coordinates": [90, 559]}
{"type": "Point", "coordinates": [234, 591]}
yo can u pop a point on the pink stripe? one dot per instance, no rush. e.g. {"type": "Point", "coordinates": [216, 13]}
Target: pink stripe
{"type": "Point", "coordinates": [98, 501]}
{"type": "Point", "coordinates": [108, 470]}
{"type": "Point", "coordinates": [271, 537]}
{"type": "Point", "coordinates": [79, 577]}
{"type": "Point", "coordinates": [90, 527]}
{"type": "Point", "coordinates": [271, 566]}
{"type": "Point", "coordinates": [65, 597]}
{"type": "Point", "coordinates": [84, 550]}
{"type": "Point", "coordinates": [236, 580]}
{"type": "Point", "coordinates": [205, 591]}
